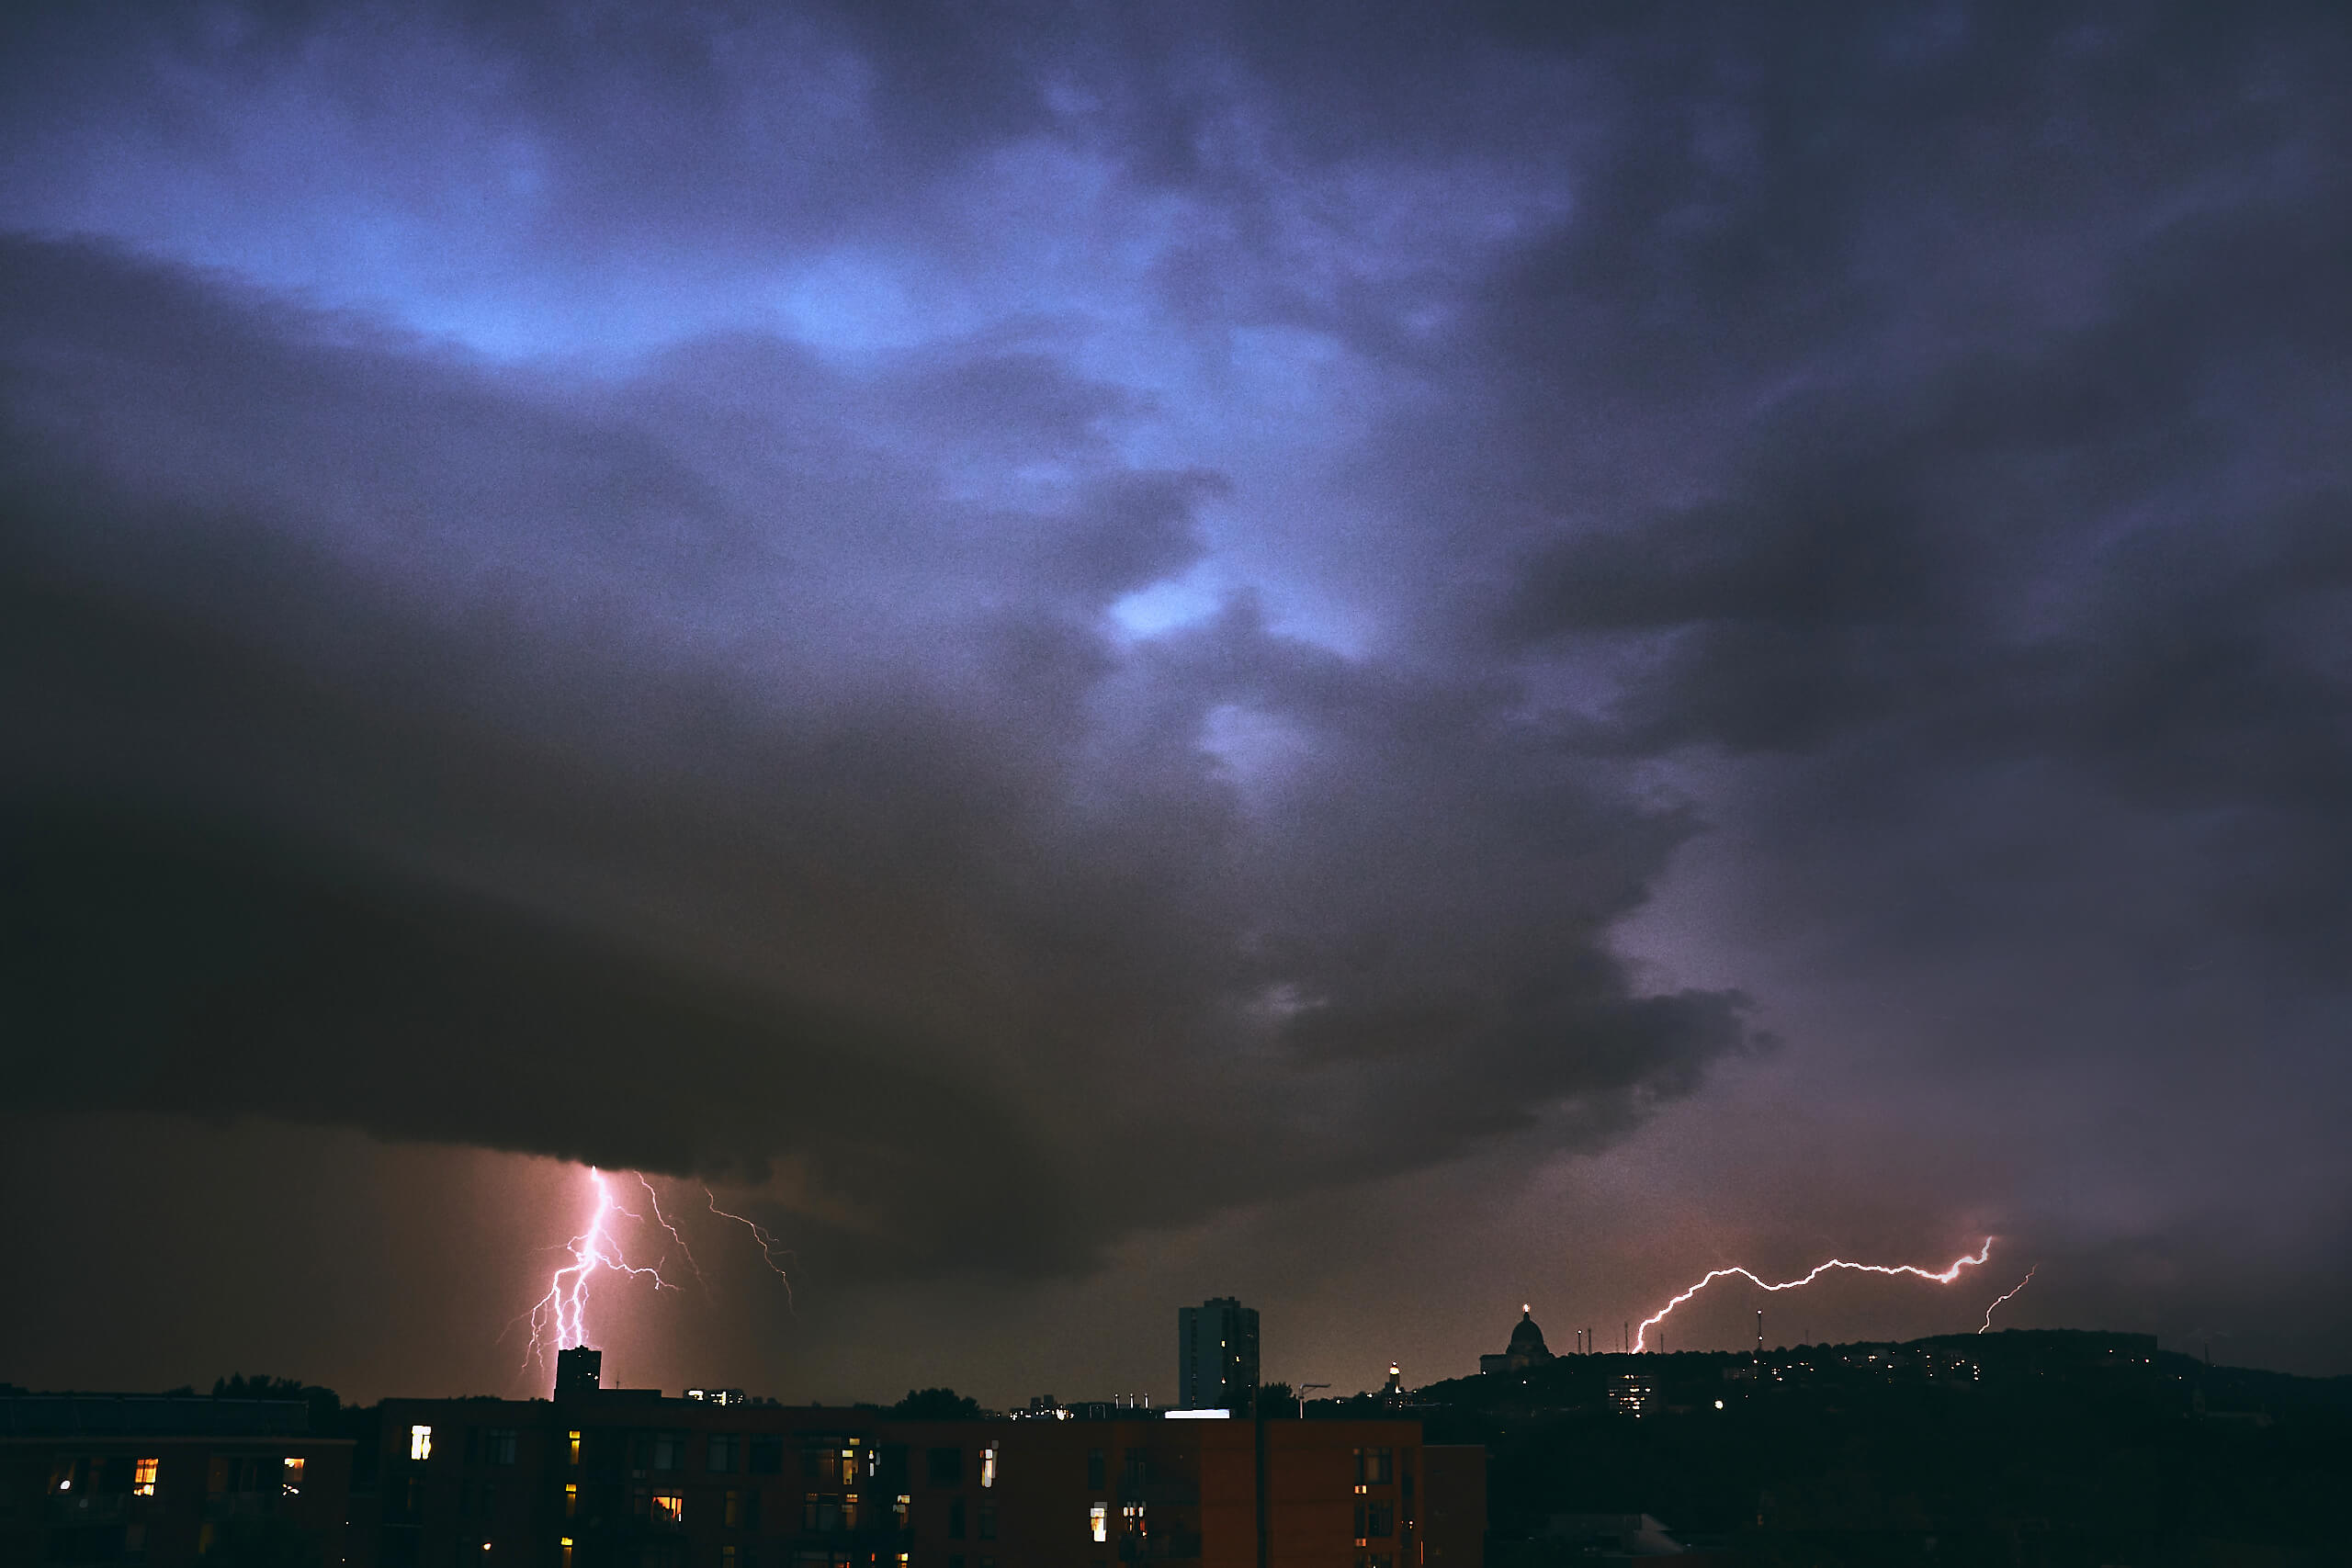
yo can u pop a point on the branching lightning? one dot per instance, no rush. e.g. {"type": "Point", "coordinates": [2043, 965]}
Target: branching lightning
{"type": "Point", "coordinates": [558, 1320]}
{"type": "Point", "coordinates": [769, 1245]}
{"type": "Point", "coordinates": [1941, 1276]}
{"type": "Point", "coordinates": [662, 1219]}
{"type": "Point", "coordinates": [2021, 1284]}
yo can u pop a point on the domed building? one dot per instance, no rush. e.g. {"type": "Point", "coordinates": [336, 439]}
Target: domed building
{"type": "Point", "coordinates": [1527, 1348]}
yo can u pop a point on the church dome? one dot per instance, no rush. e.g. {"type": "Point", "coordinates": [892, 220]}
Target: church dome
{"type": "Point", "coordinates": [1527, 1338]}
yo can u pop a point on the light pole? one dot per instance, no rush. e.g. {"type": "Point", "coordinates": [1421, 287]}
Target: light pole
{"type": "Point", "coordinates": [1302, 1397]}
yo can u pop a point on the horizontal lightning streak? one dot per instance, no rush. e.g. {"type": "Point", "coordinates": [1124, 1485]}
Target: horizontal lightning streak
{"type": "Point", "coordinates": [1941, 1276]}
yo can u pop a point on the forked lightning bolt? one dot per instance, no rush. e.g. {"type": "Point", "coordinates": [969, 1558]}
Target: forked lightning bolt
{"type": "Point", "coordinates": [769, 1245]}
{"type": "Point", "coordinates": [663, 1221]}
{"type": "Point", "coordinates": [1998, 1300]}
{"type": "Point", "coordinates": [558, 1320]}
{"type": "Point", "coordinates": [1941, 1276]}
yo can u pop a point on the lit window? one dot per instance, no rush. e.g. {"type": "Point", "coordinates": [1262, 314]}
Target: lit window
{"type": "Point", "coordinates": [988, 1465]}
{"type": "Point", "coordinates": [570, 1502]}
{"type": "Point", "coordinates": [727, 1558]}
{"type": "Point", "coordinates": [142, 1477]}
{"type": "Point", "coordinates": [564, 1552]}
{"type": "Point", "coordinates": [420, 1443]}
{"type": "Point", "coordinates": [1098, 1519]}
{"type": "Point", "coordinates": [898, 1507]}
{"type": "Point", "coordinates": [669, 1507]}
{"type": "Point", "coordinates": [575, 1448]}
{"type": "Point", "coordinates": [290, 1482]}
{"type": "Point", "coordinates": [732, 1516]}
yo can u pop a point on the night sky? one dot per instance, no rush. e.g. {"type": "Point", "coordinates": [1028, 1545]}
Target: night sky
{"type": "Point", "coordinates": [1396, 661]}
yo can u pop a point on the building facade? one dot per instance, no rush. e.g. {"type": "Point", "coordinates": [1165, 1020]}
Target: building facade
{"type": "Point", "coordinates": [154, 1482]}
{"type": "Point", "coordinates": [1216, 1357]}
{"type": "Point", "coordinates": [1526, 1347]}
{"type": "Point", "coordinates": [616, 1479]}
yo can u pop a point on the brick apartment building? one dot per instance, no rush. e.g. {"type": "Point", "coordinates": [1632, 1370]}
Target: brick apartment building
{"type": "Point", "coordinates": [159, 1482]}
{"type": "Point", "coordinates": [617, 1478]}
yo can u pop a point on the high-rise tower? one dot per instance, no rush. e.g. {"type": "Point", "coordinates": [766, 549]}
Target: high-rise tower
{"type": "Point", "coordinates": [578, 1370]}
{"type": "Point", "coordinates": [1216, 1357]}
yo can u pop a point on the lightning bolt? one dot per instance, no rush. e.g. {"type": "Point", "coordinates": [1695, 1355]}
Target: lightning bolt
{"type": "Point", "coordinates": [769, 1245]}
{"type": "Point", "coordinates": [558, 1320]}
{"type": "Point", "coordinates": [1943, 1277]}
{"type": "Point", "coordinates": [662, 1219]}
{"type": "Point", "coordinates": [1998, 1300]}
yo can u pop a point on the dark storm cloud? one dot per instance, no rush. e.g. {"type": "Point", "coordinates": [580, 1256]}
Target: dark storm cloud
{"type": "Point", "coordinates": [394, 749]}
{"type": "Point", "coordinates": [2115, 546]}
{"type": "Point", "coordinates": [1911, 439]}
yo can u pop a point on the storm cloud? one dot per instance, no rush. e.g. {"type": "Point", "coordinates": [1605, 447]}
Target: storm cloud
{"type": "Point", "coordinates": [853, 600]}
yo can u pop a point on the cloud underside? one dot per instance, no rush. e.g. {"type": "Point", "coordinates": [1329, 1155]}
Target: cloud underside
{"type": "Point", "coordinates": [916, 893]}
{"type": "Point", "coordinates": [1913, 446]}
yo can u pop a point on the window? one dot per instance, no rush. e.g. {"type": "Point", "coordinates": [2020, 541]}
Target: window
{"type": "Point", "coordinates": [946, 1467]}
{"type": "Point", "coordinates": [563, 1548]}
{"type": "Point", "coordinates": [732, 1514]}
{"type": "Point", "coordinates": [719, 1455]}
{"type": "Point", "coordinates": [956, 1519]}
{"type": "Point", "coordinates": [988, 1521]}
{"type": "Point", "coordinates": [1098, 1521]}
{"type": "Point", "coordinates": [1097, 1469]}
{"type": "Point", "coordinates": [420, 1443]}
{"type": "Point", "coordinates": [829, 1511]}
{"type": "Point", "coordinates": [290, 1480]}
{"type": "Point", "coordinates": [1376, 1521]}
{"type": "Point", "coordinates": [669, 1450]}
{"type": "Point", "coordinates": [1137, 1471]}
{"type": "Point", "coordinates": [1375, 1467]}
{"type": "Point", "coordinates": [574, 1443]}
{"type": "Point", "coordinates": [988, 1465]}
{"type": "Point", "coordinates": [727, 1557]}
{"type": "Point", "coordinates": [767, 1456]}
{"type": "Point", "coordinates": [142, 1477]}
{"type": "Point", "coordinates": [668, 1509]}
{"type": "Point", "coordinates": [1131, 1520]}
{"type": "Point", "coordinates": [499, 1444]}
{"type": "Point", "coordinates": [571, 1501]}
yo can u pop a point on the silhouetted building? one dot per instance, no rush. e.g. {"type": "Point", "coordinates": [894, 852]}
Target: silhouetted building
{"type": "Point", "coordinates": [578, 1370]}
{"type": "Point", "coordinates": [614, 1480]}
{"type": "Point", "coordinates": [150, 1481]}
{"type": "Point", "coordinates": [1526, 1348]}
{"type": "Point", "coordinates": [1216, 1357]}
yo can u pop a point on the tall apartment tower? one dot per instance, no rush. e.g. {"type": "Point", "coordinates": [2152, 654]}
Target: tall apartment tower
{"type": "Point", "coordinates": [578, 1370]}
{"type": "Point", "coordinates": [1216, 1357]}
